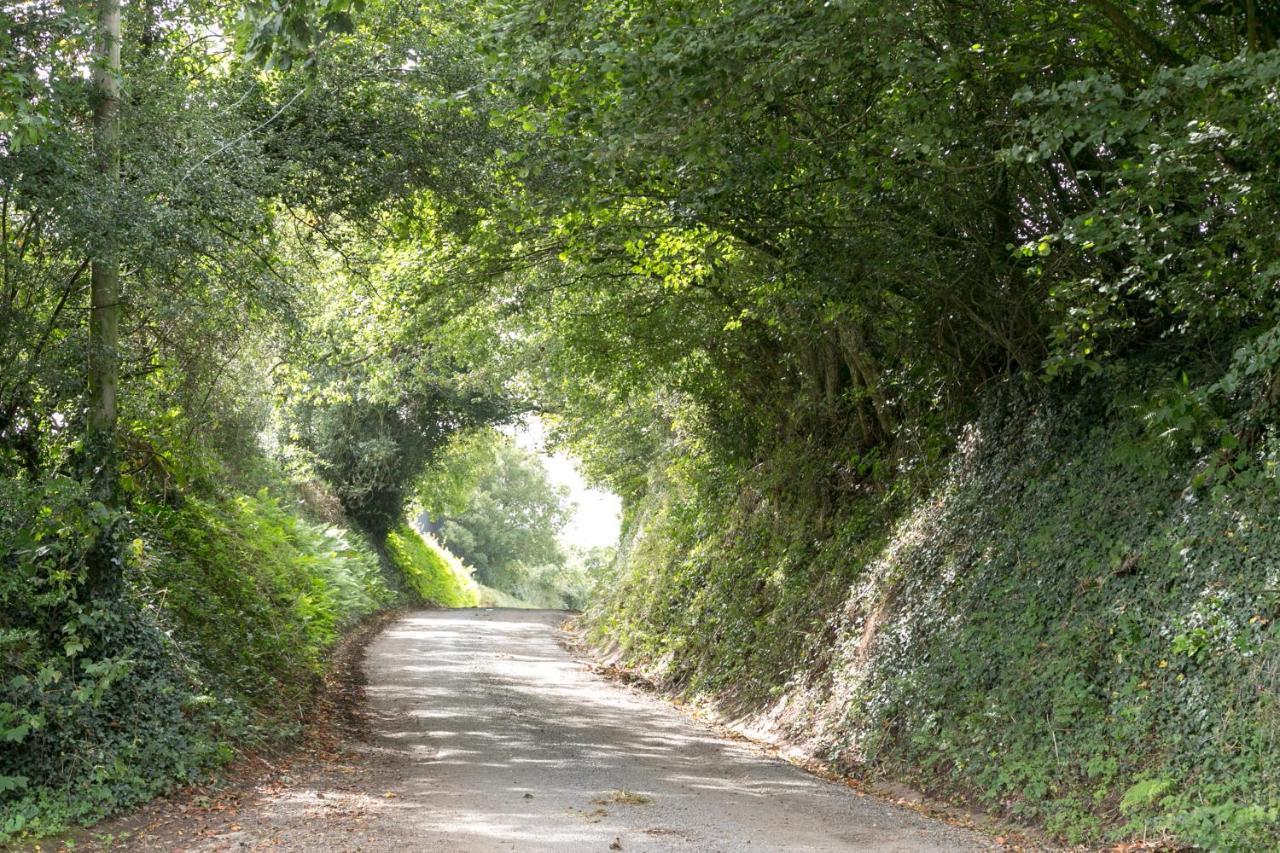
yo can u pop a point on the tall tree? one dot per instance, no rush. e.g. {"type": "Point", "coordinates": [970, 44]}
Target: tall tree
{"type": "Point", "coordinates": [104, 288]}
{"type": "Point", "coordinates": [494, 505]}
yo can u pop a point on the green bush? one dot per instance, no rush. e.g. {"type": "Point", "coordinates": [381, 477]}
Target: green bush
{"type": "Point", "coordinates": [255, 594]}
{"type": "Point", "coordinates": [97, 706]}
{"type": "Point", "coordinates": [435, 575]}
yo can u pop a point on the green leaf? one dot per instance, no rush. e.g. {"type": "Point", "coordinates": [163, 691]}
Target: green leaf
{"type": "Point", "coordinates": [1144, 794]}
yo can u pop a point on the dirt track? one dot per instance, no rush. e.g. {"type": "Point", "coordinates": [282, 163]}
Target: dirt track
{"type": "Point", "coordinates": [485, 735]}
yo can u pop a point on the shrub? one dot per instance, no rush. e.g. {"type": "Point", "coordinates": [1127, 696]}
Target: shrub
{"type": "Point", "coordinates": [97, 709]}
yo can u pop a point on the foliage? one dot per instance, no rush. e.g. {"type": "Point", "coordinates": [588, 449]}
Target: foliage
{"type": "Point", "coordinates": [434, 574]}
{"type": "Point", "coordinates": [493, 504]}
{"type": "Point", "coordinates": [1073, 183]}
{"type": "Point", "coordinates": [219, 636]}
{"type": "Point", "coordinates": [761, 264]}
{"type": "Point", "coordinates": [1185, 159]}
{"type": "Point", "coordinates": [277, 34]}
{"type": "Point", "coordinates": [94, 700]}
{"type": "Point", "coordinates": [1065, 627]}
{"type": "Point", "coordinates": [370, 451]}
{"type": "Point", "coordinates": [568, 584]}
{"type": "Point", "coordinates": [365, 400]}
{"type": "Point", "coordinates": [490, 597]}
{"type": "Point", "coordinates": [257, 594]}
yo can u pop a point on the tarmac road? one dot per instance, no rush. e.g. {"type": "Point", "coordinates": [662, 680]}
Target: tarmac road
{"type": "Point", "coordinates": [486, 735]}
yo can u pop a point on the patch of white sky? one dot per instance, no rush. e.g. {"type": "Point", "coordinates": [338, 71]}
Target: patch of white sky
{"type": "Point", "coordinates": [597, 513]}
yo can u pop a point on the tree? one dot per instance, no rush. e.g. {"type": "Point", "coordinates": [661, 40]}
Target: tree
{"type": "Point", "coordinates": [494, 505]}
{"type": "Point", "coordinates": [104, 311]}
{"type": "Point", "coordinates": [370, 450]}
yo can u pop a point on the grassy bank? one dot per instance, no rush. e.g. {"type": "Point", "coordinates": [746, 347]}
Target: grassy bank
{"type": "Point", "coordinates": [433, 574]}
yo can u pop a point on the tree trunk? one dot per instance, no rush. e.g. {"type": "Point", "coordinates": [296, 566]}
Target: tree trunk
{"type": "Point", "coordinates": [831, 384]}
{"type": "Point", "coordinates": [104, 289]}
{"type": "Point", "coordinates": [861, 362]}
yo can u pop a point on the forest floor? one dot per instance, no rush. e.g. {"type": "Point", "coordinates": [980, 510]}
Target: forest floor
{"type": "Point", "coordinates": [482, 733]}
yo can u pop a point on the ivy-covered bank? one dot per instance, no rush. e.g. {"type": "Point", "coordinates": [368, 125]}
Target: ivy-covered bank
{"type": "Point", "coordinates": [216, 640]}
{"type": "Point", "coordinates": [756, 262]}
{"type": "Point", "coordinates": [1074, 625]}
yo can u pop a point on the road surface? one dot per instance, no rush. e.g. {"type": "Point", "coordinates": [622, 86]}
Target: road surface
{"type": "Point", "coordinates": [486, 735]}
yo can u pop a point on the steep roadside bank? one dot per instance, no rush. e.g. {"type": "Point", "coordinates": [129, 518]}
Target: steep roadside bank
{"type": "Point", "coordinates": [214, 646]}
{"type": "Point", "coordinates": [1073, 628]}
{"type": "Point", "coordinates": [336, 716]}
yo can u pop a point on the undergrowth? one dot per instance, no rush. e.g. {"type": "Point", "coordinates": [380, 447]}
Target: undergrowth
{"type": "Point", "coordinates": [434, 574]}
{"type": "Point", "coordinates": [216, 640]}
{"type": "Point", "coordinates": [1074, 625]}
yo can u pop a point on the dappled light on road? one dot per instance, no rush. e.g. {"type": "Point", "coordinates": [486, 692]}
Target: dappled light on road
{"type": "Point", "coordinates": [487, 735]}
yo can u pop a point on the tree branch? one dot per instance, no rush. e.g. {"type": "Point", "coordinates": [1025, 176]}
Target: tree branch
{"type": "Point", "coordinates": [1155, 49]}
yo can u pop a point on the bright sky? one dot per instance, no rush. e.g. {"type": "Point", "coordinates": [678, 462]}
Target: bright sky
{"type": "Point", "coordinates": [598, 513]}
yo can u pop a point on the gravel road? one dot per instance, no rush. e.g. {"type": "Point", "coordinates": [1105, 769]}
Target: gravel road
{"type": "Point", "coordinates": [486, 735]}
